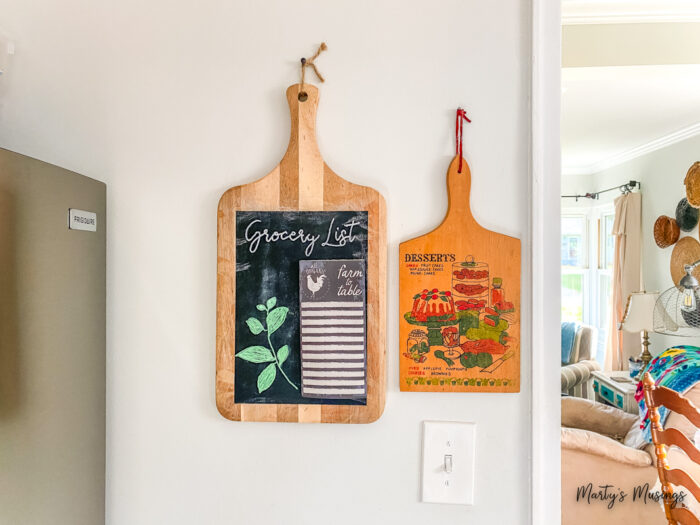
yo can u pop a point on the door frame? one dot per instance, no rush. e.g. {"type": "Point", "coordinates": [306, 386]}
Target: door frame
{"type": "Point", "coordinates": [545, 183]}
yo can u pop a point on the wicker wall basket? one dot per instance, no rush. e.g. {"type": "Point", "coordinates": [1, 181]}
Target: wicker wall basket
{"type": "Point", "coordinates": [686, 251]}
{"type": "Point", "coordinates": [686, 215]}
{"type": "Point", "coordinates": [666, 231]}
{"type": "Point", "coordinates": [692, 185]}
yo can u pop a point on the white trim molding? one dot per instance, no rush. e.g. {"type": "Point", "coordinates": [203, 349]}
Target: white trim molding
{"type": "Point", "coordinates": [577, 12]}
{"type": "Point", "coordinates": [544, 262]}
{"type": "Point", "coordinates": [632, 153]}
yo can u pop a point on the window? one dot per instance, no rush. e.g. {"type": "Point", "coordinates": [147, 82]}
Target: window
{"type": "Point", "coordinates": [587, 254]}
{"type": "Point", "coordinates": [574, 235]}
{"type": "Point", "coordinates": [608, 244]}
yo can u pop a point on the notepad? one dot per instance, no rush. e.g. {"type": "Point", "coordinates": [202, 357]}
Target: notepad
{"type": "Point", "coordinates": [333, 308]}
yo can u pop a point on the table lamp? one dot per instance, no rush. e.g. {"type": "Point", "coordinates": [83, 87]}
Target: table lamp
{"type": "Point", "coordinates": [678, 308]}
{"type": "Point", "coordinates": [639, 317]}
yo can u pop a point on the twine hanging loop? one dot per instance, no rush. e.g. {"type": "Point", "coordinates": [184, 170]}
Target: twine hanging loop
{"type": "Point", "coordinates": [306, 62]}
{"type": "Point", "coordinates": [461, 117]}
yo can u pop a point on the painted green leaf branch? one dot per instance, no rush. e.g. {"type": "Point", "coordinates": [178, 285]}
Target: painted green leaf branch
{"type": "Point", "coordinates": [282, 354]}
{"type": "Point", "coordinates": [274, 319]}
{"type": "Point", "coordinates": [441, 355]}
{"type": "Point", "coordinates": [267, 377]}
{"type": "Point", "coordinates": [256, 354]}
{"type": "Point", "coordinates": [255, 326]}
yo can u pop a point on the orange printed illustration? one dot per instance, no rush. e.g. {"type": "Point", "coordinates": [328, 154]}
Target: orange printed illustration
{"type": "Point", "coordinates": [459, 298]}
{"type": "Point", "coordinates": [460, 329]}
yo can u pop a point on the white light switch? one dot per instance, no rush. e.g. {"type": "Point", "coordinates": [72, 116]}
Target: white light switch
{"type": "Point", "coordinates": [448, 462]}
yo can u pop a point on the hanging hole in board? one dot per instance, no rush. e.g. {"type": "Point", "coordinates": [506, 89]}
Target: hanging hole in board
{"type": "Point", "coordinates": [303, 95]}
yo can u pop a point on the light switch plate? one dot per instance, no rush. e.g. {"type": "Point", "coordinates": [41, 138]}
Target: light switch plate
{"type": "Point", "coordinates": [448, 462]}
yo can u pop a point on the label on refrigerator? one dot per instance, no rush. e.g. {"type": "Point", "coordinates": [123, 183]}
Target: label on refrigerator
{"type": "Point", "coordinates": [82, 220]}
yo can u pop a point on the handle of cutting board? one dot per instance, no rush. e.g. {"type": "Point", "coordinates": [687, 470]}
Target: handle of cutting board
{"type": "Point", "coordinates": [459, 192]}
{"type": "Point", "coordinates": [302, 137]}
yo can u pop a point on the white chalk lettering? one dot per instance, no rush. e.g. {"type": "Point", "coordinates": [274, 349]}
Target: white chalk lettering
{"type": "Point", "coordinates": [256, 237]}
{"type": "Point", "coordinates": [341, 235]}
{"type": "Point", "coordinates": [349, 274]}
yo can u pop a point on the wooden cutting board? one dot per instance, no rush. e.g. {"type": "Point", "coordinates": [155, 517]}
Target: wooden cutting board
{"type": "Point", "coordinates": [459, 302]}
{"type": "Point", "coordinates": [311, 194]}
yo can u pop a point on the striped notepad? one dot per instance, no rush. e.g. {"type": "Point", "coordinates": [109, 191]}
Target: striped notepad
{"type": "Point", "coordinates": [333, 329]}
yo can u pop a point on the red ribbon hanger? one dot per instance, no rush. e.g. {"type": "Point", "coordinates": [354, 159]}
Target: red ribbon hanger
{"type": "Point", "coordinates": [461, 117]}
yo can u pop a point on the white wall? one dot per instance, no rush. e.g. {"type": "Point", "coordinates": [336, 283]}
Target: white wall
{"type": "Point", "coordinates": [172, 103]}
{"type": "Point", "coordinates": [661, 174]}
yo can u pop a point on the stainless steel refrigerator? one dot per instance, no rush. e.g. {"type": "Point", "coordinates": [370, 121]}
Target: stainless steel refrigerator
{"type": "Point", "coordinates": [52, 345]}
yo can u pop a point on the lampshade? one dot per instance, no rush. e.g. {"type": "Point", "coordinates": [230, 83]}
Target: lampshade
{"type": "Point", "coordinates": [678, 308]}
{"type": "Point", "coordinates": [639, 315]}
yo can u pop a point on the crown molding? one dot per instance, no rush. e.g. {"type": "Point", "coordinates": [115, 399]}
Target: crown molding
{"type": "Point", "coordinates": [633, 153]}
{"type": "Point", "coordinates": [577, 12]}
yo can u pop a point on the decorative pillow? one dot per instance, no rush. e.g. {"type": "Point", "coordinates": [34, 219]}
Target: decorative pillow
{"type": "Point", "coordinates": [600, 445]}
{"type": "Point", "coordinates": [568, 341]}
{"type": "Point", "coordinates": [679, 422]}
{"type": "Point", "coordinates": [677, 368]}
{"type": "Point", "coordinates": [598, 417]}
{"type": "Point", "coordinates": [635, 437]}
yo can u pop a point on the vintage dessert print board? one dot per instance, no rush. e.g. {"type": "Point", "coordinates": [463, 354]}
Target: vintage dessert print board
{"type": "Point", "coordinates": [301, 308]}
{"type": "Point", "coordinates": [459, 300]}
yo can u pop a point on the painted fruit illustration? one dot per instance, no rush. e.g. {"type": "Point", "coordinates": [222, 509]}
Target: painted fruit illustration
{"type": "Point", "coordinates": [433, 304]}
{"type": "Point", "coordinates": [465, 273]}
{"type": "Point", "coordinates": [484, 345]}
{"type": "Point", "coordinates": [470, 289]}
{"type": "Point", "coordinates": [470, 304]}
{"type": "Point", "coordinates": [450, 336]}
{"type": "Point", "coordinates": [418, 352]}
{"type": "Point", "coordinates": [504, 307]}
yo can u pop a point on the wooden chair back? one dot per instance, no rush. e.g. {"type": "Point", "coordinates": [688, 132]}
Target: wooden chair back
{"type": "Point", "coordinates": [655, 398]}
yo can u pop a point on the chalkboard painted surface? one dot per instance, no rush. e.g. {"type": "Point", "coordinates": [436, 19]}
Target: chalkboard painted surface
{"type": "Point", "coordinates": [333, 329]}
{"type": "Point", "coordinates": [269, 249]}
{"type": "Point", "coordinates": [300, 182]}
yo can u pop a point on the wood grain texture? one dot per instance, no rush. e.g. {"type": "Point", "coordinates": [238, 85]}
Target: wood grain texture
{"type": "Point", "coordinates": [302, 181]}
{"type": "Point", "coordinates": [458, 236]}
{"type": "Point", "coordinates": [683, 516]}
{"type": "Point", "coordinates": [675, 402]}
{"type": "Point", "coordinates": [656, 397]}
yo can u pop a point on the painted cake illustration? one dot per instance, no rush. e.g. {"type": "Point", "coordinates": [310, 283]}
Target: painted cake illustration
{"type": "Point", "coordinates": [470, 281]}
{"type": "Point", "coordinates": [433, 305]}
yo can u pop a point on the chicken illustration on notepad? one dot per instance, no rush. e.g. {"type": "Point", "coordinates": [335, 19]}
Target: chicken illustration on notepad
{"type": "Point", "coordinates": [332, 295]}
{"type": "Point", "coordinates": [315, 285]}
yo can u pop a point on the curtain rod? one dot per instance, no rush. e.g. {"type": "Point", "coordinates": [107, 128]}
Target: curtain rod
{"type": "Point", "coordinates": [624, 188]}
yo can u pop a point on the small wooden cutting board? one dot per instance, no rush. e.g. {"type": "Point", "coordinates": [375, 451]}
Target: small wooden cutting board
{"type": "Point", "coordinates": [312, 198]}
{"type": "Point", "coordinates": [459, 302]}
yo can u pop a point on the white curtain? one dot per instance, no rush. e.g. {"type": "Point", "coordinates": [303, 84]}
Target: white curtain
{"type": "Point", "coordinates": [627, 278]}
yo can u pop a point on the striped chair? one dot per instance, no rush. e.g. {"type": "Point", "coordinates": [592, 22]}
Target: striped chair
{"type": "Point", "coordinates": [576, 379]}
{"type": "Point", "coordinates": [656, 397]}
{"type": "Point", "coordinates": [576, 374]}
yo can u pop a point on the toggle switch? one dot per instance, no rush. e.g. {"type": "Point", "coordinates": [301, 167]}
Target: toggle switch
{"type": "Point", "coordinates": [448, 462]}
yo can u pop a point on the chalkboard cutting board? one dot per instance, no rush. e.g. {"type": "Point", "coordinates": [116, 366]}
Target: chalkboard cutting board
{"type": "Point", "coordinates": [300, 217]}
{"type": "Point", "coordinates": [459, 300]}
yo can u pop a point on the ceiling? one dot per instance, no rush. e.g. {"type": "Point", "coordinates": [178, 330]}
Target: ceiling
{"type": "Point", "coordinates": [629, 11]}
{"type": "Point", "coordinates": [613, 114]}
{"type": "Point", "coordinates": [630, 77]}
